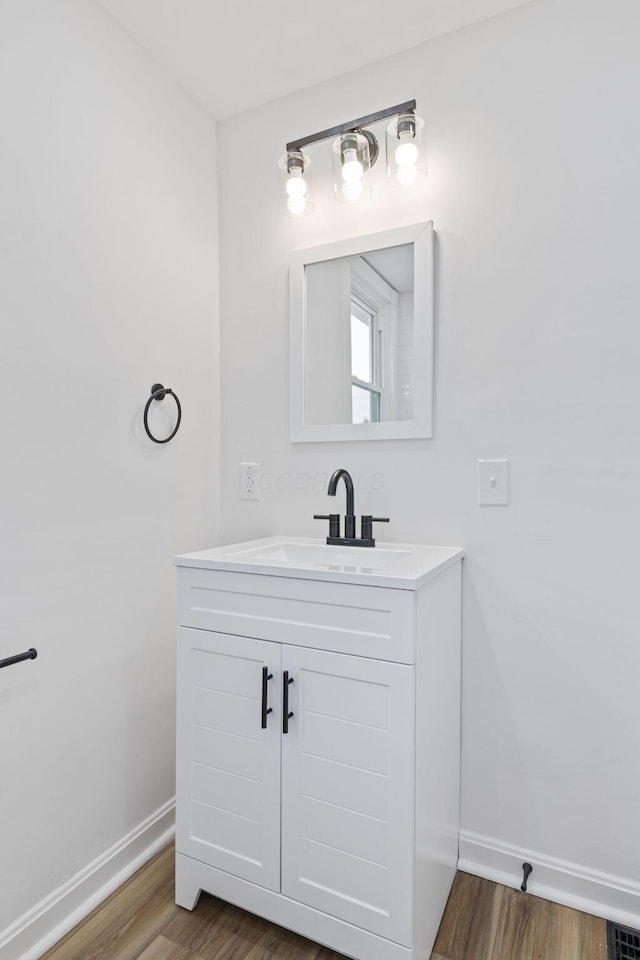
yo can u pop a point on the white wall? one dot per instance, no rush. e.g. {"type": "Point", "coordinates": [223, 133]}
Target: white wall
{"type": "Point", "coordinates": [533, 190]}
{"type": "Point", "coordinates": [108, 282]}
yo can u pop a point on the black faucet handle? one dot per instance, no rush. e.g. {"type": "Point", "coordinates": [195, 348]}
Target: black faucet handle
{"type": "Point", "coordinates": [334, 522]}
{"type": "Point", "coordinates": [367, 525]}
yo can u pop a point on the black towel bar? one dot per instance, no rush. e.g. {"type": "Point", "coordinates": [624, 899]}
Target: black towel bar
{"type": "Point", "coordinates": [29, 654]}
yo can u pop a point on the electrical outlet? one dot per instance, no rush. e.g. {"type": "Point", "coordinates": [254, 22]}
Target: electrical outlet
{"type": "Point", "coordinates": [249, 481]}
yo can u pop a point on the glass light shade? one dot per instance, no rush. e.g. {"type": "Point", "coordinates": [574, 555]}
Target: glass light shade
{"type": "Point", "coordinates": [351, 163]}
{"type": "Point", "coordinates": [406, 157]}
{"type": "Point", "coordinates": [295, 184]}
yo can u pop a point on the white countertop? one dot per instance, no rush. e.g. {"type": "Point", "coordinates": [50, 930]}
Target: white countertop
{"type": "Point", "coordinates": [404, 566]}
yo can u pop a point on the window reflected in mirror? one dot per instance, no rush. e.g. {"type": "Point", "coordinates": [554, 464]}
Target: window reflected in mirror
{"type": "Point", "coordinates": [366, 388]}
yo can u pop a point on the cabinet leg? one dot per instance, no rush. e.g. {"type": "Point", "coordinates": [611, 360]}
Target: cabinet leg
{"type": "Point", "coordinates": [187, 890]}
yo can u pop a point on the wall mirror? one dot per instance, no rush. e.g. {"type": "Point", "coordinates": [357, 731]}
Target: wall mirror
{"type": "Point", "coordinates": [361, 337]}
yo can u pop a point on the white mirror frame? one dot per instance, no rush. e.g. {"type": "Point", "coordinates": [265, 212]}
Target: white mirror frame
{"type": "Point", "coordinates": [421, 427]}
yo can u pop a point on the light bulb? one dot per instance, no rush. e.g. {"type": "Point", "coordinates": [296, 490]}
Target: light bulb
{"type": "Point", "coordinates": [297, 206]}
{"type": "Point", "coordinates": [406, 151]}
{"type": "Point", "coordinates": [407, 176]}
{"type": "Point", "coordinates": [406, 164]}
{"type": "Point", "coordinates": [296, 184]}
{"type": "Point", "coordinates": [352, 169]}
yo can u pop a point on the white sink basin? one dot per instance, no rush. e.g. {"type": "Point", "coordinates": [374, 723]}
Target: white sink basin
{"type": "Point", "coordinates": [403, 565]}
{"type": "Point", "coordinates": [298, 554]}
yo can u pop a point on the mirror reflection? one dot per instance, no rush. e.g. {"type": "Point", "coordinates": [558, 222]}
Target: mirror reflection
{"type": "Point", "coordinates": [360, 337]}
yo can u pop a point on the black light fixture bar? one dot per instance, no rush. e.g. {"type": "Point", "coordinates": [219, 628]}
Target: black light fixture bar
{"type": "Point", "coordinates": [351, 126]}
{"type": "Point", "coordinates": [29, 654]}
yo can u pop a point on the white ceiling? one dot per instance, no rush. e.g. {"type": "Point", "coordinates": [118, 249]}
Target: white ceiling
{"type": "Point", "coordinates": [231, 56]}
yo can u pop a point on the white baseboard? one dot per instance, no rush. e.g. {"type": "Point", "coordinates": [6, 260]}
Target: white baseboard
{"type": "Point", "coordinates": [36, 931]}
{"type": "Point", "coordinates": [602, 894]}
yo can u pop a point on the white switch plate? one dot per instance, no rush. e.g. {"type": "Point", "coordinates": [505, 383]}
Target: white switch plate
{"type": "Point", "coordinates": [249, 481]}
{"type": "Point", "coordinates": [493, 483]}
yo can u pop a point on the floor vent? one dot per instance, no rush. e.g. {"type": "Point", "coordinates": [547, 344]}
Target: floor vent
{"type": "Point", "coordinates": [623, 942]}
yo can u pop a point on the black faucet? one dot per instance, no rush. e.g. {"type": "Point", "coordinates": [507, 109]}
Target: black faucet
{"type": "Point", "coordinates": [349, 539]}
{"type": "Point", "coordinates": [350, 517]}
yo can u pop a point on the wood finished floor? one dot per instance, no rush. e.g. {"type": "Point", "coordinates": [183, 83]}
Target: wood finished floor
{"type": "Point", "coordinates": [483, 921]}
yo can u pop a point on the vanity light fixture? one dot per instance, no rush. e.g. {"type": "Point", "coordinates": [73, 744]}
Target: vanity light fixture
{"type": "Point", "coordinates": [355, 151]}
{"type": "Point", "coordinates": [405, 160]}
{"type": "Point", "coordinates": [296, 175]}
{"type": "Point", "coordinates": [354, 154]}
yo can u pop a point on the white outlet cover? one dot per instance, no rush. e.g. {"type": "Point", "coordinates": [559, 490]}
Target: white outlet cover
{"type": "Point", "coordinates": [493, 483]}
{"type": "Point", "coordinates": [249, 481]}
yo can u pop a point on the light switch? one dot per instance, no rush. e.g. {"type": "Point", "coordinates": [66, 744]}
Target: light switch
{"type": "Point", "coordinates": [493, 483]}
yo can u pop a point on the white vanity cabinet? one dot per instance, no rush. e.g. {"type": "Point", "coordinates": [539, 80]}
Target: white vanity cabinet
{"type": "Point", "coordinates": [318, 747]}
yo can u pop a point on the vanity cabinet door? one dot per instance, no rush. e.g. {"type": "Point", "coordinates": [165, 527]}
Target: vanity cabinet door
{"type": "Point", "coordinates": [228, 775]}
{"type": "Point", "coordinates": [348, 789]}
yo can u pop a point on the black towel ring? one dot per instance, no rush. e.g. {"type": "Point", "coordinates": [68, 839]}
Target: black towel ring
{"type": "Point", "coordinates": [158, 392]}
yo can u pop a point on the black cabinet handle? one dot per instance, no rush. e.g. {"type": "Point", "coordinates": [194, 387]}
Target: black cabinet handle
{"type": "Point", "coordinates": [286, 713]}
{"type": "Point", "coordinates": [266, 676]}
